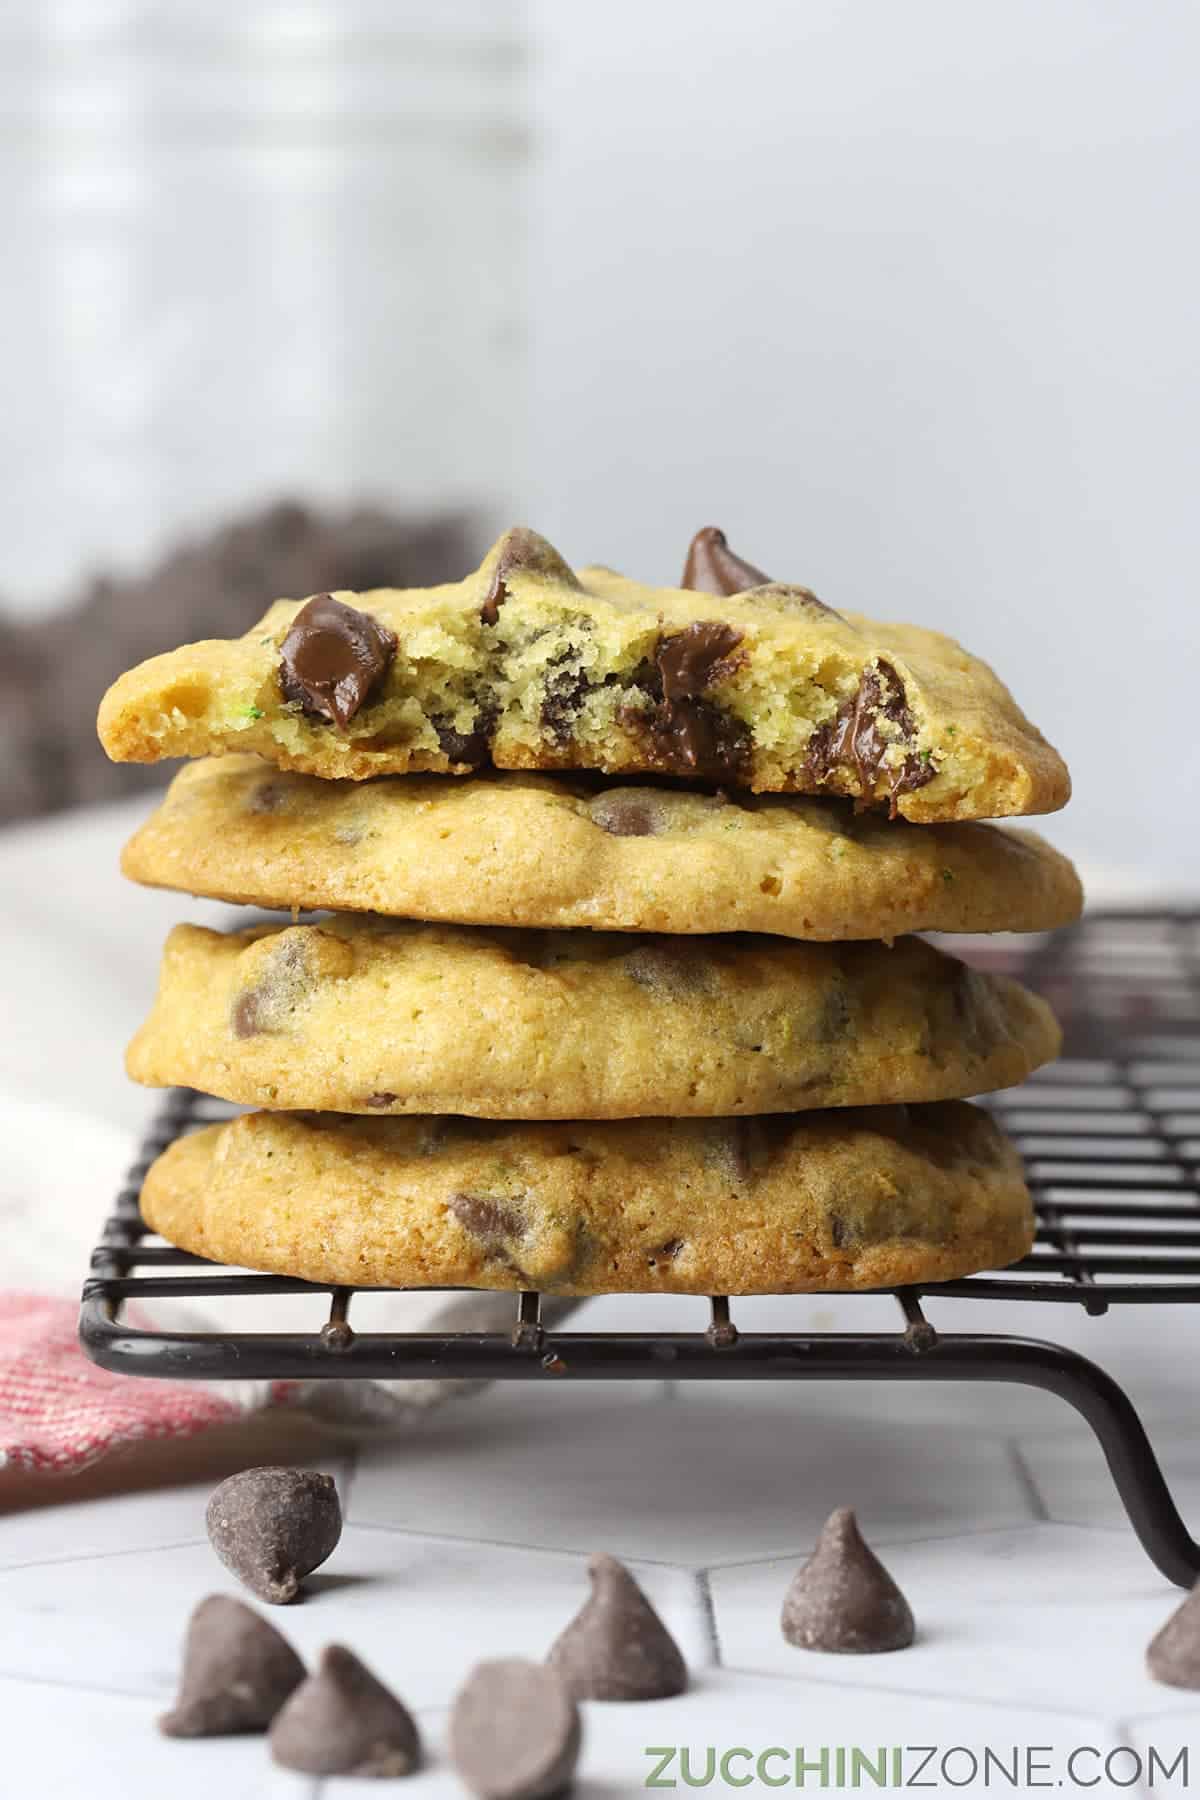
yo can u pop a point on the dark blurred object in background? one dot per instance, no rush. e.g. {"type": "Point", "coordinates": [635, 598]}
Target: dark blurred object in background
{"type": "Point", "coordinates": [53, 671]}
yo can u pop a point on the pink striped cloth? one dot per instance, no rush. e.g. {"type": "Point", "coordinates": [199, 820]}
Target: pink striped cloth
{"type": "Point", "coordinates": [59, 1413]}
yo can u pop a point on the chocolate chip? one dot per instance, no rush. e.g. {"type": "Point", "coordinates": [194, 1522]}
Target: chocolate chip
{"type": "Point", "coordinates": [272, 1527]}
{"type": "Point", "coordinates": [269, 796]}
{"type": "Point", "coordinates": [712, 567]}
{"type": "Point", "coordinates": [332, 659]}
{"type": "Point", "coordinates": [843, 1599]}
{"type": "Point", "coordinates": [522, 549]}
{"type": "Point", "coordinates": [852, 740]}
{"type": "Point", "coordinates": [515, 1731]}
{"type": "Point", "coordinates": [565, 687]}
{"type": "Point", "coordinates": [669, 1251]}
{"type": "Point", "coordinates": [623, 812]}
{"type": "Point", "coordinates": [493, 1222]}
{"type": "Point", "coordinates": [342, 1721]}
{"type": "Point", "coordinates": [1174, 1653]}
{"type": "Point", "coordinates": [381, 1101]}
{"type": "Point", "coordinates": [616, 1647]}
{"type": "Point", "coordinates": [666, 966]}
{"type": "Point", "coordinates": [237, 1672]}
{"type": "Point", "coordinates": [474, 747]}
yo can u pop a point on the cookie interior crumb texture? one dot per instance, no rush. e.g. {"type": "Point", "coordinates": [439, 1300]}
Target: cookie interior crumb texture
{"type": "Point", "coordinates": [364, 1015]}
{"type": "Point", "coordinates": [806, 1203]}
{"type": "Point", "coordinates": [527, 664]}
{"type": "Point", "coordinates": [575, 851]}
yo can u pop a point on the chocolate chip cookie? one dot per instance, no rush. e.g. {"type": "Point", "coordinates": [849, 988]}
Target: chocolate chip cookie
{"type": "Point", "coordinates": [571, 852]}
{"type": "Point", "coordinates": [527, 665]}
{"type": "Point", "coordinates": [786, 1204]}
{"type": "Point", "coordinates": [361, 1015]}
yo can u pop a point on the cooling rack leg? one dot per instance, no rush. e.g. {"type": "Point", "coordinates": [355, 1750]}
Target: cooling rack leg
{"type": "Point", "coordinates": [1114, 1419]}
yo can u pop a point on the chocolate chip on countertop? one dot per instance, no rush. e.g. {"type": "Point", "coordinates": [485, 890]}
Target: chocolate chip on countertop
{"type": "Point", "coordinates": [1174, 1653]}
{"type": "Point", "coordinates": [333, 657]}
{"type": "Point", "coordinates": [522, 549]}
{"type": "Point", "coordinates": [342, 1721]}
{"type": "Point", "coordinates": [843, 1598]}
{"type": "Point", "coordinates": [616, 1647]}
{"type": "Point", "coordinates": [272, 1527]}
{"type": "Point", "coordinates": [712, 567]}
{"type": "Point", "coordinates": [515, 1731]}
{"type": "Point", "coordinates": [237, 1672]}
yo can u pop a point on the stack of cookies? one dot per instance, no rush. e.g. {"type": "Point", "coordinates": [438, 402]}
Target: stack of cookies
{"type": "Point", "coordinates": [599, 974]}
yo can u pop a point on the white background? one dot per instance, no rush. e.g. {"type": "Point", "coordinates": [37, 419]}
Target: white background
{"type": "Point", "coordinates": [904, 296]}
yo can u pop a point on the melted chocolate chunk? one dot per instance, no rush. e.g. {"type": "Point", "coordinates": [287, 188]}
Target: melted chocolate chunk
{"type": "Point", "coordinates": [237, 1672]}
{"type": "Point", "coordinates": [712, 567]}
{"type": "Point", "coordinates": [690, 735]}
{"type": "Point", "coordinates": [843, 1599]}
{"type": "Point", "coordinates": [342, 1721]}
{"type": "Point", "coordinates": [333, 658]}
{"type": "Point", "coordinates": [272, 1527]}
{"type": "Point", "coordinates": [616, 1647]}
{"type": "Point", "coordinates": [692, 659]}
{"type": "Point", "coordinates": [380, 1101]}
{"type": "Point", "coordinates": [852, 739]}
{"type": "Point", "coordinates": [522, 549]}
{"type": "Point", "coordinates": [493, 1222]}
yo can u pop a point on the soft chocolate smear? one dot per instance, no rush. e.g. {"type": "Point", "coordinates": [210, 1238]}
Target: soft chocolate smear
{"type": "Point", "coordinates": [1173, 1656]}
{"type": "Point", "coordinates": [616, 1647]}
{"type": "Point", "coordinates": [283, 981]}
{"type": "Point", "coordinates": [852, 739]}
{"type": "Point", "coordinates": [666, 966]}
{"type": "Point", "coordinates": [494, 1222]}
{"type": "Point", "coordinates": [712, 567]}
{"type": "Point", "coordinates": [333, 658]}
{"type": "Point", "coordinates": [515, 1731]}
{"type": "Point", "coordinates": [843, 1599]}
{"type": "Point", "coordinates": [342, 1721]}
{"type": "Point", "coordinates": [623, 812]}
{"type": "Point", "coordinates": [522, 550]}
{"type": "Point", "coordinates": [272, 1527]}
{"type": "Point", "coordinates": [237, 1672]}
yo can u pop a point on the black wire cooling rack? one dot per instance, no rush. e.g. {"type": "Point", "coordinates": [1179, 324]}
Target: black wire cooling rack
{"type": "Point", "coordinates": [1111, 1141]}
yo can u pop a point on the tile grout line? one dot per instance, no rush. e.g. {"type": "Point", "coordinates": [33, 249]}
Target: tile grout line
{"type": "Point", "coordinates": [708, 1613]}
{"type": "Point", "coordinates": [1028, 1484]}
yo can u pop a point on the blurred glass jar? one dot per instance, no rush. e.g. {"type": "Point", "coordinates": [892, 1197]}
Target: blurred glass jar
{"type": "Point", "coordinates": [251, 250]}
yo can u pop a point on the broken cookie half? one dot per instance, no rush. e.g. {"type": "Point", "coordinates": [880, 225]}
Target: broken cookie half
{"type": "Point", "coordinates": [528, 664]}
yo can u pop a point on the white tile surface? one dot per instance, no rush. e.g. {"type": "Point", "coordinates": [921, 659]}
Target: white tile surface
{"type": "Point", "coordinates": [63, 1745]}
{"type": "Point", "coordinates": [720, 1474]}
{"type": "Point", "coordinates": [1073, 1482]}
{"type": "Point", "coordinates": [418, 1610]}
